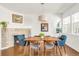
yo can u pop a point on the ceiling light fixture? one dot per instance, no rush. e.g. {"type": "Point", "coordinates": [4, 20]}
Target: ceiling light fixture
{"type": "Point", "coordinates": [42, 16]}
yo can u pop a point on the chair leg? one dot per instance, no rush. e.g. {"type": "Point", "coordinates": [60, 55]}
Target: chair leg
{"type": "Point", "coordinates": [26, 50]}
{"type": "Point", "coordinates": [64, 49]}
{"type": "Point", "coordinates": [60, 50]}
{"type": "Point", "coordinates": [30, 51]}
{"type": "Point", "coordinates": [45, 52]}
{"type": "Point", "coordinates": [20, 48]}
{"type": "Point", "coordinates": [51, 51]}
{"type": "Point", "coordinates": [38, 52]}
{"type": "Point", "coordinates": [55, 50]}
{"type": "Point", "coordinates": [33, 52]}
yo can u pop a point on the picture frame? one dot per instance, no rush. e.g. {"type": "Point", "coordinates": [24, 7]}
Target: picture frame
{"type": "Point", "coordinates": [44, 27]}
{"type": "Point", "coordinates": [17, 18]}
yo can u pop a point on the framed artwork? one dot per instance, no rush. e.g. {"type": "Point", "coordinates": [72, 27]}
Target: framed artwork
{"type": "Point", "coordinates": [17, 18]}
{"type": "Point", "coordinates": [44, 27]}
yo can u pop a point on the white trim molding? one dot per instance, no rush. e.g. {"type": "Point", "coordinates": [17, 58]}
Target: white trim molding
{"type": "Point", "coordinates": [6, 47]}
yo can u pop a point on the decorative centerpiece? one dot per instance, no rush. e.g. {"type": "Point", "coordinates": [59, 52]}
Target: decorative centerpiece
{"type": "Point", "coordinates": [42, 35]}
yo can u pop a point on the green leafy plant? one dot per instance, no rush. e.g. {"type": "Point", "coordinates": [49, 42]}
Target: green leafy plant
{"type": "Point", "coordinates": [3, 24]}
{"type": "Point", "coordinates": [42, 34]}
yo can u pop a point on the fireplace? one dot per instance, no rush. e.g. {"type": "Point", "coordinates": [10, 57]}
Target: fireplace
{"type": "Point", "coordinates": [20, 31]}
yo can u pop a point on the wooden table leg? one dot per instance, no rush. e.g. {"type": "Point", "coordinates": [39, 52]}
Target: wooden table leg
{"type": "Point", "coordinates": [30, 48]}
{"type": "Point", "coordinates": [42, 48]}
{"type": "Point", "coordinates": [25, 50]}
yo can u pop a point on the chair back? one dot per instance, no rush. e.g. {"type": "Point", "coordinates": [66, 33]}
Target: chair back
{"type": "Point", "coordinates": [62, 40]}
{"type": "Point", "coordinates": [20, 37]}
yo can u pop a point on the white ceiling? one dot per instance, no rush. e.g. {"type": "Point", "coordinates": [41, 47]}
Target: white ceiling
{"type": "Point", "coordinates": [36, 8]}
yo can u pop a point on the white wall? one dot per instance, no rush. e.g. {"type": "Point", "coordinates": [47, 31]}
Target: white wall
{"type": "Point", "coordinates": [0, 38]}
{"type": "Point", "coordinates": [6, 15]}
{"type": "Point", "coordinates": [32, 20]}
{"type": "Point", "coordinates": [73, 41]}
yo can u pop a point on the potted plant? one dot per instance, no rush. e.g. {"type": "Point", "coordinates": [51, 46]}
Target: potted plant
{"type": "Point", "coordinates": [3, 25]}
{"type": "Point", "coordinates": [42, 35]}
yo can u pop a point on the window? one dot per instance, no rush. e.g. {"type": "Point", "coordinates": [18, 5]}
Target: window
{"type": "Point", "coordinates": [75, 23]}
{"type": "Point", "coordinates": [66, 25]}
{"type": "Point", "coordinates": [71, 25]}
{"type": "Point", "coordinates": [59, 28]}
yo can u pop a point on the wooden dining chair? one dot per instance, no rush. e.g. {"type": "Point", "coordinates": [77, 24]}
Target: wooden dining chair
{"type": "Point", "coordinates": [48, 44]}
{"type": "Point", "coordinates": [35, 45]}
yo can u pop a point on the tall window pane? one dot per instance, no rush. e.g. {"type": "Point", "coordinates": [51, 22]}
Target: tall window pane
{"type": "Point", "coordinates": [75, 22]}
{"type": "Point", "coordinates": [66, 25]}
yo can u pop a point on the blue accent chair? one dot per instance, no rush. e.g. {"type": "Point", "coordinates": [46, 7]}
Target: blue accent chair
{"type": "Point", "coordinates": [61, 43]}
{"type": "Point", "coordinates": [62, 40]}
{"type": "Point", "coordinates": [21, 39]}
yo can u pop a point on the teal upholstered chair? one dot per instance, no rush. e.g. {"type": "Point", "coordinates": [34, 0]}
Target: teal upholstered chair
{"type": "Point", "coordinates": [22, 42]}
{"type": "Point", "coordinates": [21, 39]}
{"type": "Point", "coordinates": [61, 42]}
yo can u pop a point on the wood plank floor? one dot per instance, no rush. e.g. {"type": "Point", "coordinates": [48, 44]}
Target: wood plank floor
{"type": "Point", "coordinates": [16, 51]}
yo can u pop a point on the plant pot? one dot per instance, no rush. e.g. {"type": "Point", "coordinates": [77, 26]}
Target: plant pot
{"type": "Point", "coordinates": [42, 37]}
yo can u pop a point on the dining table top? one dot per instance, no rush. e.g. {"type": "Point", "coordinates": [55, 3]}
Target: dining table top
{"type": "Point", "coordinates": [46, 39]}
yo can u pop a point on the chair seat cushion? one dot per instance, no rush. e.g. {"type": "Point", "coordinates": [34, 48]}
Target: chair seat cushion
{"type": "Point", "coordinates": [22, 43]}
{"type": "Point", "coordinates": [49, 46]}
{"type": "Point", "coordinates": [35, 46]}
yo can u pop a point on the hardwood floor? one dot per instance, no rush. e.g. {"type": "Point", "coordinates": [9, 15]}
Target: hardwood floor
{"type": "Point", "coordinates": [17, 51]}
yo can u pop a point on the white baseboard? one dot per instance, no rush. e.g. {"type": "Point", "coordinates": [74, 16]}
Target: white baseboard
{"type": "Point", "coordinates": [6, 47]}
{"type": "Point", "coordinates": [72, 47]}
